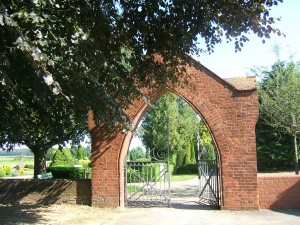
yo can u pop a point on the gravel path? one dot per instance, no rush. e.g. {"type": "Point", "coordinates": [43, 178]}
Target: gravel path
{"type": "Point", "coordinates": [75, 215]}
{"type": "Point", "coordinates": [184, 211]}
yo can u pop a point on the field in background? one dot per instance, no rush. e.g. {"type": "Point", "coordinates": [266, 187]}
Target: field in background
{"type": "Point", "coordinates": [19, 161]}
{"type": "Point", "coordinates": [16, 160]}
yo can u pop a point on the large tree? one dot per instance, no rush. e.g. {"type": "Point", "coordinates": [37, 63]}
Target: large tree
{"type": "Point", "coordinates": [74, 56]}
{"type": "Point", "coordinates": [273, 148]}
{"type": "Point", "coordinates": [31, 116]}
{"type": "Point", "coordinates": [100, 52]}
{"type": "Point", "coordinates": [279, 95]}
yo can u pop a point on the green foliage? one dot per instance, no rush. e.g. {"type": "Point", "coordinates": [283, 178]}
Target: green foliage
{"type": "Point", "coordinates": [7, 169]}
{"type": "Point", "coordinates": [50, 153]}
{"type": "Point", "coordinates": [62, 158]}
{"type": "Point", "coordinates": [2, 172]}
{"type": "Point", "coordinates": [184, 124]}
{"type": "Point", "coordinates": [170, 121]}
{"type": "Point", "coordinates": [187, 169]}
{"type": "Point", "coordinates": [209, 152]}
{"type": "Point", "coordinates": [10, 160]}
{"type": "Point", "coordinates": [66, 172]}
{"type": "Point", "coordinates": [181, 156]}
{"type": "Point", "coordinates": [143, 160]}
{"type": "Point", "coordinates": [147, 172]}
{"type": "Point", "coordinates": [136, 153]}
{"type": "Point", "coordinates": [279, 94]}
{"type": "Point", "coordinates": [29, 166]}
{"type": "Point", "coordinates": [60, 59]}
{"type": "Point", "coordinates": [273, 149]}
{"type": "Point", "coordinates": [87, 152]}
{"type": "Point", "coordinates": [85, 163]}
{"type": "Point", "coordinates": [21, 171]}
{"type": "Point", "coordinates": [188, 153]}
{"type": "Point", "coordinates": [279, 97]}
{"type": "Point", "coordinates": [79, 152]}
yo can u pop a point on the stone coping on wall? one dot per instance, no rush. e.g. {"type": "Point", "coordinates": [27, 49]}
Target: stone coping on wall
{"type": "Point", "coordinates": [278, 174]}
{"type": "Point", "coordinates": [242, 83]}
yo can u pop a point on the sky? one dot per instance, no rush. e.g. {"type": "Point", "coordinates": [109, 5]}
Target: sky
{"type": "Point", "coordinates": [226, 63]}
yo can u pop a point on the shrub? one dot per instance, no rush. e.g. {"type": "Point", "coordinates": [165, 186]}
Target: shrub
{"type": "Point", "coordinates": [22, 171]}
{"type": "Point", "coordinates": [79, 153]}
{"type": "Point", "coordinates": [66, 172]}
{"type": "Point", "coordinates": [180, 158]}
{"type": "Point", "coordinates": [7, 169]}
{"type": "Point", "coordinates": [143, 160]}
{"type": "Point", "coordinates": [187, 169]}
{"type": "Point", "coordinates": [84, 163]}
{"type": "Point", "coordinates": [62, 158]}
{"type": "Point", "coordinates": [2, 172]}
{"type": "Point", "coordinates": [146, 172]}
{"type": "Point", "coordinates": [29, 166]}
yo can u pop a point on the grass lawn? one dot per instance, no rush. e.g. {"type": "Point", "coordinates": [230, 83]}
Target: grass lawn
{"type": "Point", "coordinates": [183, 177]}
{"type": "Point", "coordinates": [16, 160]}
{"type": "Point", "coordinates": [13, 161]}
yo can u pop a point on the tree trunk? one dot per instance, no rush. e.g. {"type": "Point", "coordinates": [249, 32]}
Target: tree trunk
{"type": "Point", "coordinates": [39, 161]}
{"type": "Point", "coordinates": [296, 155]}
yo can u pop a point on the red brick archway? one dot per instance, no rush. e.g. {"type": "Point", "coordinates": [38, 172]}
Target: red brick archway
{"type": "Point", "coordinates": [229, 108]}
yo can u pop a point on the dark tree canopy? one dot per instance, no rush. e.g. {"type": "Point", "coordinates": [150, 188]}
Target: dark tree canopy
{"type": "Point", "coordinates": [99, 53]}
{"type": "Point", "coordinates": [59, 59]}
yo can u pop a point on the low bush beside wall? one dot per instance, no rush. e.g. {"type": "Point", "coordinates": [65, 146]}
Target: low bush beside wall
{"type": "Point", "coordinates": [66, 172]}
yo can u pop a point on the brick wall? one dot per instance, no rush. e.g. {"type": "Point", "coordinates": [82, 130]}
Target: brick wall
{"type": "Point", "coordinates": [29, 191]}
{"type": "Point", "coordinates": [278, 191]}
{"type": "Point", "coordinates": [230, 110]}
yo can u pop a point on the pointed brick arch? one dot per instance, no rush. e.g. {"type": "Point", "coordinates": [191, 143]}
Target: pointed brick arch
{"type": "Point", "coordinates": [230, 110]}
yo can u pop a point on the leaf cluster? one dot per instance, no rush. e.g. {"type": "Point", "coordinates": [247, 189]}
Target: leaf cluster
{"type": "Point", "coordinates": [279, 95]}
{"type": "Point", "coordinates": [59, 59]}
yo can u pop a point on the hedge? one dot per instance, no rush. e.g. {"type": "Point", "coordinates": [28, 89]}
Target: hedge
{"type": "Point", "coordinates": [66, 172]}
{"type": "Point", "coordinates": [187, 169]}
{"type": "Point", "coordinates": [144, 172]}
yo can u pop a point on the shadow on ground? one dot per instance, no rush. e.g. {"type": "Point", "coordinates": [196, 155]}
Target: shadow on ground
{"type": "Point", "coordinates": [291, 212]}
{"type": "Point", "coordinates": [22, 214]}
{"type": "Point", "coordinates": [192, 206]}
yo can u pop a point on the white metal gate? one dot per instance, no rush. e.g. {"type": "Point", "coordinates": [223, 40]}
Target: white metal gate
{"type": "Point", "coordinates": [147, 183]}
{"type": "Point", "coordinates": [209, 185]}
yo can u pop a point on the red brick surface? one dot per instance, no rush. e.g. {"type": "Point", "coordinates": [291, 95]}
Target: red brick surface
{"type": "Point", "coordinates": [279, 191]}
{"type": "Point", "coordinates": [52, 191]}
{"type": "Point", "coordinates": [230, 113]}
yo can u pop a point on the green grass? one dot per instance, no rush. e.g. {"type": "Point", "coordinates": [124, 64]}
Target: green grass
{"type": "Point", "coordinates": [131, 189]}
{"type": "Point", "coordinates": [15, 160]}
{"type": "Point", "coordinates": [183, 177]}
